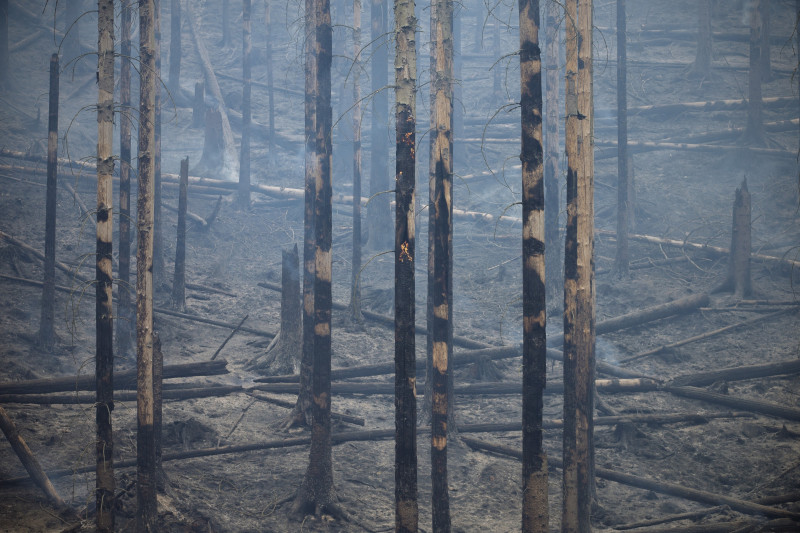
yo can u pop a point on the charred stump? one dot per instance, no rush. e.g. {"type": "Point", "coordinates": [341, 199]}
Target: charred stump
{"type": "Point", "coordinates": [738, 279]}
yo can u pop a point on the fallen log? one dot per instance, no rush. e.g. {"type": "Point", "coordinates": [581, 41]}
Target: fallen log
{"type": "Point", "coordinates": [203, 288]}
{"type": "Point", "coordinates": [78, 398]}
{"type": "Point", "coordinates": [661, 487]}
{"type": "Point", "coordinates": [649, 146]}
{"type": "Point", "coordinates": [30, 463]}
{"type": "Point", "coordinates": [36, 253]}
{"type": "Point", "coordinates": [231, 161]}
{"type": "Point", "coordinates": [229, 337]}
{"type": "Point", "coordinates": [122, 380]}
{"type": "Point", "coordinates": [699, 379]}
{"type": "Point", "coordinates": [194, 216]}
{"type": "Point", "coordinates": [350, 419]}
{"type": "Point", "coordinates": [259, 332]}
{"type": "Point", "coordinates": [703, 336]}
{"type": "Point", "coordinates": [755, 406]}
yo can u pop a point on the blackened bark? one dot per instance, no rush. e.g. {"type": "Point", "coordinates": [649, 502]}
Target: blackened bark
{"type": "Point", "coordinates": [355, 271]}
{"type": "Point", "coordinates": [738, 279]}
{"type": "Point", "coordinates": [175, 48]}
{"type": "Point", "coordinates": [104, 306]}
{"type": "Point", "coordinates": [244, 160]}
{"type": "Point", "coordinates": [125, 316]}
{"type": "Point", "coordinates": [146, 512]}
{"type": "Point", "coordinates": [534, 339]}
{"type": "Point", "coordinates": [46, 333]}
{"type": "Point", "coordinates": [270, 88]}
{"type": "Point", "coordinates": [159, 274]}
{"type": "Point", "coordinates": [701, 67]}
{"type": "Point", "coordinates": [553, 264]}
{"type": "Point", "coordinates": [179, 281]}
{"type": "Point", "coordinates": [621, 259]}
{"type": "Point", "coordinates": [378, 210]}
{"type": "Point", "coordinates": [316, 493]}
{"type": "Point", "coordinates": [158, 401]}
{"type": "Point", "coordinates": [405, 67]}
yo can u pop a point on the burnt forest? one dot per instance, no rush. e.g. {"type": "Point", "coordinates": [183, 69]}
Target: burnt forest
{"type": "Point", "coordinates": [372, 265]}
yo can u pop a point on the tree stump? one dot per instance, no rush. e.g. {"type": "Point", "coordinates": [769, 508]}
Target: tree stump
{"type": "Point", "coordinates": [738, 279]}
{"type": "Point", "coordinates": [213, 145]}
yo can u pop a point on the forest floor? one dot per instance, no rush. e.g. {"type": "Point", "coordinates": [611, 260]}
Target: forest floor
{"type": "Point", "coordinates": [681, 194]}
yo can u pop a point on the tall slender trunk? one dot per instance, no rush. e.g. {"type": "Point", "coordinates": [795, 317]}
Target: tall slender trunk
{"type": "Point", "coordinates": [316, 492]}
{"type": "Point", "coordinates": [378, 210]}
{"type": "Point", "coordinates": [755, 122]}
{"type": "Point", "coordinates": [46, 333]}
{"type": "Point", "coordinates": [355, 287]}
{"type": "Point", "coordinates": [701, 67]}
{"type": "Point", "coordinates": [621, 259]}
{"type": "Point", "coordinates": [405, 449]}
{"type": "Point", "coordinates": [226, 23]}
{"type": "Point", "coordinates": [441, 165]}
{"type": "Point", "coordinates": [534, 338]}
{"type": "Point", "coordinates": [766, 28]}
{"type": "Point", "coordinates": [244, 160]}
{"type": "Point", "coordinates": [553, 265]}
{"type": "Point", "coordinates": [578, 274]}
{"type": "Point", "coordinates": [179, 280]}
{"type": "Point", "coordinates": [146, 513]}
{"type": "Point", "coordinates": [159, 275]}
{"type": "Point", "coordinates": [3, 43]}
{"type": "Point", "coordinates": [175, 47]}
{"type": "Point", "coordinates": [124, 307]}
{"type": "Point", "coordinates": [270, 88]}
{"type": "Point", "coordinates": [104, 307]}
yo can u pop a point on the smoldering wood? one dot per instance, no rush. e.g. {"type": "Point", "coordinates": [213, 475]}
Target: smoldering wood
{"type": "Point", "coordinates": [46, 326]}
{"type": "Point", "coordinates": [702, 336]}
{"type": "Point", "coordinates": [660, 487]}
{"type": "Point", "coordinates": [30, 462]}
{"type": "Point", "coordinates": [358, 421]}
{"type": "Point", "coordinates": [179, 278]}
{"type": "Point", "coordinates": [122, 380]}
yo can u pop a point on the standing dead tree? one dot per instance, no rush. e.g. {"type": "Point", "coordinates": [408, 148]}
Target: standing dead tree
{"type": "Point", "coordinates": [578, 469]}
{"type": "Point", "coordinates": [754, 134]}
{"type": "Point", "coordinates": [46, 333]}
{"type": "Point", "coordinates": [355, 269]}
{"type": "Point", "coordinates": [405, 403]}
{"type": "Point", "coordinates": [553, 264]}
{"type": "Point", "coordinates": [270, 88]}
{"type": "Point", "coordinates": [179, 279]}
{"type": "Point", "coordinates": [534, 338]}
{"type": "Point", "coordinates": [244, 159]}
{"type": "Point", "coordinates": [316, 492]}
{"type": "Point", "coordinates": [124, 307]}
{"type": "Point", "coordinates": [146, 512]}
{"type": "Point", "coordinates": [622, 257]}
{"type": "Point", "coordinates": [3, 43]}
{"type": "Point", "coordinates": [175, 48]}
{"type": "Point", "coordinates": [738, 278]}
{"type": "Point", "coordinates": [701, 67]}
{"type": "Point", "coordinates": [159, 262]}
{"type": "Point", "coordinates": [104, 307]}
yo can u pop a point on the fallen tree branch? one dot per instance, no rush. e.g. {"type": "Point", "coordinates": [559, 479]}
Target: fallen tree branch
{"type": "Point", "coordinates": [259, 332]}
{"type": "Point", "coordinates": [755, 406]}
{"type": "Point", "coordinates": [203, 288]}
{"type": "Point", "coordinates": [36, 253]}
{"type": "Point", "coordinates": [661, 487]}
{"type": "Point", "coordinates": [229, 337]}
{"type": "Point", "coordinates": [356, 420]}
{"type": "Point", "coordinates": [122, 380]}
{"type": "Point", "coordinates": [197, 218]}
{"type": "Point", "coordinates": [699, 379]}
{"type": "Point", "coordinates": [77, 398]}
{"type": "Point", "coordinates": [702, 336]}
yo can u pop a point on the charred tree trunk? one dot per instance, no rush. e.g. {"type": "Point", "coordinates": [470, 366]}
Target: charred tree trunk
{"type": "Point", "coordinates": [355, 287]}
{"type": "Point", "coordinates": [622, 257]}
{"type": "Point", "coordinates": [175, 48]}
{"type": "Point", "coordinates": [440, 235]}
{"type": "Point", "coordinates": [125, 315]}
{"type": "Point", "coordinates": [104, 307]}
{"type": "Point", "coordinates": [146, 512]}
{"type": "Point", "coordinates": [159, 275]}
{"type": "Point", "coordinates": [754, 134]}
{"type": "Point", "coordinates": [534, 339]}
{"type": "Point", "coordinates": [244, 160]}
{"type": "Point", "coordinates": [553, 264]}
{"type": "Point", "coordinates": [316, 492]}
{"type": "Point", "coordinates": [270, 88]}
{"type": "Point", "coordinates": [378, 210]}
{"type": "Point", "coordinates": [578, 274]}
{"type": "Point", "coordinates": [179, 281]}
{"type": "Point", "coordinates": [3, 43]}
{"type": "Point", "coordinates": [766, 61]}
{"type": "Point", "coordinates": [46, 333]}
{"type": "Point", "coordinates": [738, 279]}
{"type": "Point", "coordinates": [405, 449]}
{"type": "Point", "coordinates": [701, 67]}
{"type": "Point", "coordinates": [158, 401]}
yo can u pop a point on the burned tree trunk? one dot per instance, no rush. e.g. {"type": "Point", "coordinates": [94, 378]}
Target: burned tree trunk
{"type": "Point", "coordinates": [578, 274]}
{"type": "Point", "coordinates": [179, 280]}
{"type": "Point", "coordinates": [46, 333]}
{"type": "Point", "coordinates": [534, 339]}
{"type": "Point", "coordinates": [159, 274]}
{"type": "Point", "coordinates": [701, 67]}
{"type": "Point", "coordinates": [766, 26]}
{"type": "Point", "coordinates": [553, 265]}
{"type": "Point", "coordinates": [378, 210]}
{"type": "Point", "coordinates": [440, 236]}
{"type": "Point", "coordinates": [738, 278]}
{"type": "Point", "coordinates": [146, 512]}
{"type": "Point", "coordinates": [355, 270]}
{"type": "Point", "coordinates": [244, 160]}
{"type": "Point", "coordinates": [124, 307]}
{"type": "Point", "coordinates": [3, 43]}
{"type": "Point", "coordinates": [405, 449]}
{"type": "Point", "coordinates": [754, 134]}
{"type": "Point", "coordinates": [270, 88]}
{"type": "Point", "coordinates": [622, 258]}
{"type": "Point", "coordinates": [316, 493]}
{"type": "Point", "coordinates": [104, 307]}
{"type": "Point", "coordinates": [175, 48]}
